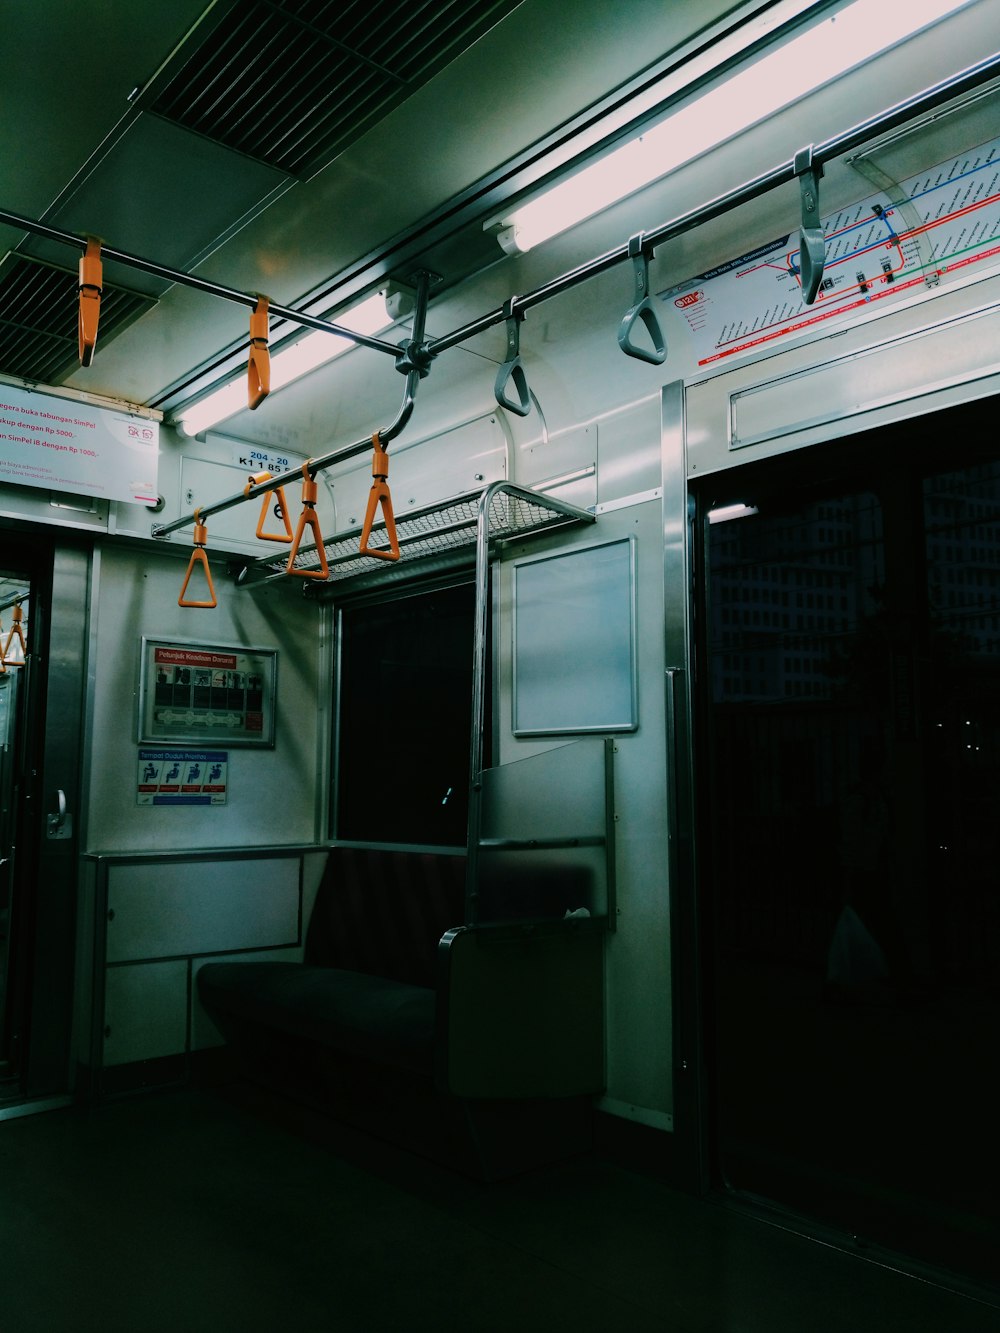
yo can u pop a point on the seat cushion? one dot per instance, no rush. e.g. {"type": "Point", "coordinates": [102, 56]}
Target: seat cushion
{"type": "Point", "coordinates": [388, 1022]}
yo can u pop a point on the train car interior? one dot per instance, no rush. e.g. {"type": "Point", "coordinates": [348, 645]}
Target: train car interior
{"type": "Point", "coordinates": [500, 665]}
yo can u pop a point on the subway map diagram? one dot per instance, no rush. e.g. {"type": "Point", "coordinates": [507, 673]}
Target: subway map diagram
{"type": "Point", "coordinates": [940, 222]}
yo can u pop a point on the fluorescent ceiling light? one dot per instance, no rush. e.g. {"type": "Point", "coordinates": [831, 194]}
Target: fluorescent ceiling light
{"type": "Point", "coordinates": [726, 513]}
{"type": "Point", "coordinates": [315, 349]}
{"type": "Point", "coordinates": [849, 38]}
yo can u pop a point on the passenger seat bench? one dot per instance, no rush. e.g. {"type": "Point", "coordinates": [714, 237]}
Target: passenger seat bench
{"type": "Point", "coordinates": [391, 977]}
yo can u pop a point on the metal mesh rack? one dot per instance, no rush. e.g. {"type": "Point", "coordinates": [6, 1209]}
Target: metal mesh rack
{"type": "Point", "coordinates": [438, 533]}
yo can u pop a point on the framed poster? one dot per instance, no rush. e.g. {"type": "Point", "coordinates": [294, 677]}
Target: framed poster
{"type": "Point", "coordinates": [206, 694]}
{"type": "Point", "coordinates": [574, 641]}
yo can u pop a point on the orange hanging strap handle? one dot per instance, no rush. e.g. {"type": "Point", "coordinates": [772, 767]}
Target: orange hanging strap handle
{"type": "Point", "coordinates": [198, 557]}
{"type": "Point", "coordinates": [91, 286]}
{"type": "Point", "coordinates": [281, 509]}
{"type": "Point", "coordinates": [259, 365]}
{"type": "Point", "coordinates": [308, 519]}
{"type": "Point", "coordinates": [379, 495]}
{"type": "Point", "coordinates": [3, 662]}
{"type": "Point", "coordinates": [16, 632]}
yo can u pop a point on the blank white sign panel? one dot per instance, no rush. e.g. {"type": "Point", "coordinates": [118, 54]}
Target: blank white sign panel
{"type": "Point", "coordinates": [574, 641]}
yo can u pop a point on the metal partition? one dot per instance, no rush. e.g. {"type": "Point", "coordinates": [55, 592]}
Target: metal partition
{"type": "Point", "coordinates": [546, 843]}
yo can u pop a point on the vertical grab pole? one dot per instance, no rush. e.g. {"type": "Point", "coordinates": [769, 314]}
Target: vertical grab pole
{"type": "Point", "coordinates": [478, 705]}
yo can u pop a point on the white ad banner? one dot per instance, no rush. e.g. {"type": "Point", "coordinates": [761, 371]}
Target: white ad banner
{"type": "Point", "coordinates": [63, 445]}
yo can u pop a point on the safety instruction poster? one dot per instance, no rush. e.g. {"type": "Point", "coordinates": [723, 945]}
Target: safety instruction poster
{"type": "Point", "coordinates": [940, 222]}
{"type": "Point", "coordinates": [64, 445]}
{"type": "Point", "coordinates": [199, 693]}
{"type": "Point", "coordinates": [182, 777]}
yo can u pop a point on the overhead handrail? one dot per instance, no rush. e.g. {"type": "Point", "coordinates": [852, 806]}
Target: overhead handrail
{"type": "Point", "coordinates": [927, 100]}
{"type": "Point", "coordinates": [281, 510]}
{"type": "Point", "coordinates": [316, 465]}
{"type": "Point", "coordinates": [812, 242]}
{"type": "Point", "coordinates": [308, 519]}
{"type": "Point", "coordinates": [419, 353]}
{"type": "Point", "coordinates": [198, 557]}
{"type": "Point", "coordinates": [379, 495]}
{"type": "Point", "coordinates": [421, 350]}
{"type": "Point", "coordinates": [173, 275]}
{"type": "Point", "coordinates": [512, 371]}
{"type": "Point", "coordinates": [259, 362]}
{"type": "Point", "coordinates": [642, 310]}
{"type": "Point", "coordinates": [91, 286]}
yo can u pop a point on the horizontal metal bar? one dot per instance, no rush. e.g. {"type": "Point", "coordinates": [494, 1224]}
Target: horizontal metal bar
{"type": "Point", "coordinates": [928, 100]}
{"type": "Point", "coordinates": [538, 844]}
{"type": "Point", "coordinates": [313, 464]}
{"type": "Point", "coordinates": [216, 289]}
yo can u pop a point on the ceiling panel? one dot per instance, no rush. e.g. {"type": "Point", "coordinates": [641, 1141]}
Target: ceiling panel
{"type": "Point", "coordinates": [293, 82]}
{"type": "Point", "coordinates": [39, 315]}
{"type": "Point", "coordinates": [164, 194]}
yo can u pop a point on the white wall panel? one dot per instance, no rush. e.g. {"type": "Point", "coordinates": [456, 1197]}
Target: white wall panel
{"type": "Point", "coordinates": [273, 795]}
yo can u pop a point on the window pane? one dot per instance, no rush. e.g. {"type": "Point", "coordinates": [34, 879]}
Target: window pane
{"type": "Point", "coordinates": [405, 712]}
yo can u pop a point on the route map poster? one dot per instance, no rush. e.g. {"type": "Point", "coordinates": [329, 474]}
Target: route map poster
{"type": "Point", "coordinates": [943, 221]}
{"type": "Point", "coordinates": [182, 777]}
{"type": "Point", "coordinates": [64, 445]}
{"type": "Point", "coordinates": [202, 694]}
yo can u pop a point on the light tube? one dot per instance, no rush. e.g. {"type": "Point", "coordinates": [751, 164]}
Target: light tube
{"type": "Point", "coordinates": [842, 42]}
{"type": "Point", "coordinates": [726, 513]}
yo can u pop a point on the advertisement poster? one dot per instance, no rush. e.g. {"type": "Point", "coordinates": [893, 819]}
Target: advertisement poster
{"type": "Point", "coordinates": [203, 693]}
{"type": "Point", "coordinates": [64, 445]}
{"type": "Point", "coordinates": [182, 777]}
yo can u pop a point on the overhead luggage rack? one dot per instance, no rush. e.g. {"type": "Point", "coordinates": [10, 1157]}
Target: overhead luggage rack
{"type": "Point", "coordinates": [442, 534]}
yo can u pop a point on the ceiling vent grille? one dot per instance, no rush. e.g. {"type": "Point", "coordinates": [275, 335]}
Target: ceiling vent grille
{"type": "Point", "coordinates": [39, 314]}
{"type": "Point", "coordinates": [293, 82]}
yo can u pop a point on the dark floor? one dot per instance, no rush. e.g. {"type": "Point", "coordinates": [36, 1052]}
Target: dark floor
{"type": "Point", "coordinates": [202, 1210]}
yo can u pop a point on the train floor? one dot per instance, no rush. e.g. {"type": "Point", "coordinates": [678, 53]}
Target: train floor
{"type": "Point", "coordinates": [206, 1210]}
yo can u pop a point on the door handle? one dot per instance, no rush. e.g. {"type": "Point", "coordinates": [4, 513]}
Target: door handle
{"type": "Point", "coordinates": [59, 823]}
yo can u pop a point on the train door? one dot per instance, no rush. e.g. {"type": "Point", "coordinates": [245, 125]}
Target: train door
{"type": "Point", "coordinates": [41, 712]}
{"type": "Point", "coordinates": [849, 789]}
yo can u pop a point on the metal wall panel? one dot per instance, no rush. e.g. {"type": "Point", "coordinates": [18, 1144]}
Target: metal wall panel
{"type": "Point", "coordinates": [638, 952]}
{"type": "Point", "coordinates": [931, 355]}
{"type": "Point", "coordinates": [166, 908]}
{"type": "Point", "coordinates": [145, 1012]}
{"type": "Point", "coordinates": [916, 367]}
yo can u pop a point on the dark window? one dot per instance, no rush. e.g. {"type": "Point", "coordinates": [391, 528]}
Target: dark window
{"type": "Point", "coordinates": [405, 709]}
